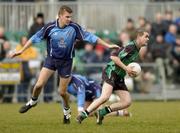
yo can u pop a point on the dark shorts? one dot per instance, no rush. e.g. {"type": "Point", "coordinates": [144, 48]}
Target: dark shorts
{"type": "Point", "coordinates": [92, 92]}
{"type": "Point", "coordinates": [90, 95]}
{"type": "Point", "coordinates": [64, 67]}
{"type": "Point", "coordinates": [117, 82]}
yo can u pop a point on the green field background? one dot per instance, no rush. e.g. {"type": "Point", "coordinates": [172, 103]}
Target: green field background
{"type": "Point", "coordinates": [147, 117]}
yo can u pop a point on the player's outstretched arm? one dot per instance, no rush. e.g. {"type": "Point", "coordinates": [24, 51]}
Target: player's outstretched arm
{"type": "Point", "coordinates": [15, 53]}
{"type": "Point", "coordinates": [100, 41]}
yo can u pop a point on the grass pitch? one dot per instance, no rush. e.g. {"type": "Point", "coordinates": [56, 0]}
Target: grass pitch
{"type": "Point", "coordinates": [148, 117]}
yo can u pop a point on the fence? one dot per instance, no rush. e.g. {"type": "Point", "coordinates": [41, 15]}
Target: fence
{"type": "Point", "coordinates": [110, 15]}
{"type": "Point", "coordinates": [155, 87]}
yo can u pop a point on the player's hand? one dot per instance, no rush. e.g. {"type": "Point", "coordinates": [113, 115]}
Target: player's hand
{"type": "Point", "coordinates": [130, 71]}
{"type": "Point", "coordinates": [14, 53]}
{"type": "Point", "coordinates": [113, 46]}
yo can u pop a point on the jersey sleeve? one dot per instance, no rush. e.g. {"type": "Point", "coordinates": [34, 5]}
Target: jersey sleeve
{"type": "Point", "coordinates": [82, 34]}
{"type": "Point", "coordinates": [121, 52]}
{"type": "Point", "coordinates": [90, 37]}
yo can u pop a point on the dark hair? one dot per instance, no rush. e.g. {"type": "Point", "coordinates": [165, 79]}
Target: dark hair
{"type": "Point", "coordinates": [40, 15]}
{"type": "Point", "coordinates": [140, 32]}
{"type": "Point", "coordinates": [130, 20]}
{"type": "Point", "coordinates": [64, 8]}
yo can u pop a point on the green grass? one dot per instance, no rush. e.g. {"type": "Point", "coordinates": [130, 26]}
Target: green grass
{"type": "Point", "coordinates": [148, 117]}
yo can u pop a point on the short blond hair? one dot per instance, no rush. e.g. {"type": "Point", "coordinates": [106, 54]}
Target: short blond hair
{"type": "Point", "coordinates": [63, 9]}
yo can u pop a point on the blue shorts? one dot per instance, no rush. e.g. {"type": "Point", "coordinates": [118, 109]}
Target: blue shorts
{"type": "Point", "coordinates": [64, 67]}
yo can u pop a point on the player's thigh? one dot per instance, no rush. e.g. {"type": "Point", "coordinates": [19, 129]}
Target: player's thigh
{"type": "Point", "coordinates": [44, 75]}
{"type": "Point", "coordinates": [124, 95]}
{"type": "Point", "coordinates": [63, 83]}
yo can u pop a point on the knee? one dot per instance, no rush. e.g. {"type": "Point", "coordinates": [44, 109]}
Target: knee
{"type": "Point", "coordinates": [62, 93]}
{"type": "Point", "coordinates": [127, 102]}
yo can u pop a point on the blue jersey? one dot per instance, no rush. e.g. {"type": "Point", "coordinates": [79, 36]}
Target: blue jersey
{"type": "Point", "coordinates": [60, 41]}
{"type": "Point", "coordinates": [84, 89]}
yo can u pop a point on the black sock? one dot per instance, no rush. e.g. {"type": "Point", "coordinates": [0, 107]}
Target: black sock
{"type": "Point", "coordinates": [34, 98]}
{"type": "Point", "coordinates": [108, 109]}
{"type": "Point", "coordinates": [66, 108]}
{"type": "Point", "coordinates": [87, 112]}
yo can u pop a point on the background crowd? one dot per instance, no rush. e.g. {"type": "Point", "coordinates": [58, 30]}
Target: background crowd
{"type": "Point", "coordinates": [164, 44]}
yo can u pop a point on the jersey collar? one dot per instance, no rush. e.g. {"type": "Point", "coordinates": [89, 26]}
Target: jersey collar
{"type": "Point", "coordinates": [57, 24]}
{"type": "Point", "coordinates": [135, 43]}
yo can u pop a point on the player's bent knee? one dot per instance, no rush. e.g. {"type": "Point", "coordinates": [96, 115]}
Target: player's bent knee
{"type": "Point", "coordinates": [63, 94]}
{"type": "Point", "coordinates": [127, 102]}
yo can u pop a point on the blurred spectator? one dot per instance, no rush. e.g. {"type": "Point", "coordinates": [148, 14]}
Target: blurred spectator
{"type": "Point", "coordinates": [123, 38]}
{"type": "Point", "coordinates": [168, 20]}
{"type": "Point", "coordinates": [89, 54]}
{"type": "Point", "coordinates": [2, 51]}
{"type": "Point", "coordinates": [99, 51]}
{"type": "Point", "coordinates": [170, 36]}
{"type": "Point", "coordinates": [177, 22]}
{"type": "Point", "coordinates": [144, 82]}
{"type": "Point", "coordinates": [157, 26]}
{"type": "Point", "coordinates": [141, 22]}
{"type": "Point", "coordinates": [37, 25]}
{"type": "Point", "coordinates": [144, 55]}
{"type": "Point", "coordinates": [2, 36]}
{"type": "Point", "coordinates": [6, 47]}
{"type": "Point", "coordinates": [2, 57]}
{"type": "Point", "coordinates": [148, 28]}
{"type": "Point", "coordinates": [23, 0]}
{"type": "Point", "coordinates": [159, 48]}
{"type": "Point", "coordinates": [130, 29]}
{"type": "Point", "coordinates": [176, 60]}
{"type": "Point", "coordinates": [29, 54]}
{"type": "Point", "coordinates": [106, 51]}
{"type": "Point", "coordinates": [2, 40]}
{"type": "Point", "coordinates": [7, 90]}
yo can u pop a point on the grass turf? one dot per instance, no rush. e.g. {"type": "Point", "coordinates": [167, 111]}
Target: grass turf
{"type": "Point", "coordinates": [148, 117]}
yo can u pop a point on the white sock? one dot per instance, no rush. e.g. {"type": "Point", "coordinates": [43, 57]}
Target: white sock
{"type": "Point", "coordinates": [31, 102]}
{"type": "Point", "coordinates": [120, 113]}
{"type": "Point", "coordinates": [67, 112]}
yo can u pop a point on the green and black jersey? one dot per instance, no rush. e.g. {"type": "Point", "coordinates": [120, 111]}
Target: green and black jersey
{"type": "Point", "coordinates": [127, 54]}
